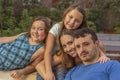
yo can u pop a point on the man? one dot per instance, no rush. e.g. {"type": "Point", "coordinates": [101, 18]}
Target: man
{"type": "Point", "coordinates": [86, 43]}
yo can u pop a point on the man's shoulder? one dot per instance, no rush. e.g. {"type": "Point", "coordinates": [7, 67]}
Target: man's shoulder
{"type": "Point", "coordinates": [76, 67]}
{"type": "Point", "coordinates": [112, 62]}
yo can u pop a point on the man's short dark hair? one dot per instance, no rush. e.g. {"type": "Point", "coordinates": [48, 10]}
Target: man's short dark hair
{"type": "Point", "coordinates": [85, 31]}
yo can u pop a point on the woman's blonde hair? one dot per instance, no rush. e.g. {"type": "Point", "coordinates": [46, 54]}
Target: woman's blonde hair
{"type": "Point", "coordinates": [67, 60]}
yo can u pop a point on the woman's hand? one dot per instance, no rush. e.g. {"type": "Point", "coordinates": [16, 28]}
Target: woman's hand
{"type": "Point", "coordinates": [49, 76]}
{"type": "Point", "coordinates": [103, 59]}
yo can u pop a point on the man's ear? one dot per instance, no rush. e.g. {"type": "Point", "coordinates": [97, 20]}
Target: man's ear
{"type": "Point", "coordinates": [97, 43]}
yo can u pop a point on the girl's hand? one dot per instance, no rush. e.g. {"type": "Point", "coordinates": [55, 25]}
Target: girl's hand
{"type": "Point", "coordinates": [103, 59]}
{"type": "Point", "coordinates": [16, 73]}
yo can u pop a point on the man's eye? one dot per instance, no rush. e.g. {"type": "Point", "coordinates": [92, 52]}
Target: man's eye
{"type": "Point", "coordinates": [63, 46]}
{"type": "Point", "coordinates": [86, 44]}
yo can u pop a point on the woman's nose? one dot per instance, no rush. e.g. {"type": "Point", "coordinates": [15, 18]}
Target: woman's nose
{"type": "Point", "coordinates": [68, 48]}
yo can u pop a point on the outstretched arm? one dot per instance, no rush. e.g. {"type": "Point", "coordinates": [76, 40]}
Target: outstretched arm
{"type": "Point", "coordinates": [25, 71]}
{"type": "Point", "coordinates": [9, 39]}
{"type": "Point", "coordinates": [38, 56]}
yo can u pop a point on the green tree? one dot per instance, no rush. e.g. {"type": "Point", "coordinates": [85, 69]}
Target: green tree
{"type": "Point", "coordinates": [108, 11]}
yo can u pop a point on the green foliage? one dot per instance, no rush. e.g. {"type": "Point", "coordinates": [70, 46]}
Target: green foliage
{"type": "Point", "coordinates": [92, 26]}
{"type": "Point", "coordinates": [108, 14]}
{"type": "Point", "coordinates": [25, 22]}
{"type": "Point", "coordinates": [63, 4]}
{"type": "Point", "coordinates": [93, 17]}
{"type": "Point", "coordinates": [8, 19]}
{"type": "Point", "coordinates": [117, 28]}
{"type": "Point", "coordinates": [12, 25]}
{"type": "Point", "coordinates": [54, 14]}
{"type": "Point", "coordinates": [7, 22]}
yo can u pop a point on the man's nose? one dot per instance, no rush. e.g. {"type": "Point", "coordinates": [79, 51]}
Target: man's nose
{"type": "Point", "coordinates": [82, 48]}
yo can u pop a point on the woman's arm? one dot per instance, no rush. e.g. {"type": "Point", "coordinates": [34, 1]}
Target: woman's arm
{"type": "Point", "coordinates": [9, 39]}
{"type": "Point", "coordinates": [102, 47]}
{"type": "Point", "coordinates": [103, 58]}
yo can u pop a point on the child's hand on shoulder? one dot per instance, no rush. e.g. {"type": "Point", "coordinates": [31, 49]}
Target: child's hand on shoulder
{"type": "Point", "coordinates": [103, 59]}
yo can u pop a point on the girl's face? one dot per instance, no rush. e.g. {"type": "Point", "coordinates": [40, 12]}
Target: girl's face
{"type": "Point", "coordinates": [37, 31]}
{"type": "Point", "coordinates": [68, 46]}
{"type": "Point", "coordinates": [73, 19]}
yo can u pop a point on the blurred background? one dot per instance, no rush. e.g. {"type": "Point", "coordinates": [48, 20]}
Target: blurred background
{"type": "Point", "coordinates": [103, 16]}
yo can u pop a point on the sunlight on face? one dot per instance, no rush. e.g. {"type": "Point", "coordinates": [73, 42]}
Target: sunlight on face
{"type": "Point", "coordinates": [37, 31]}
{"type": "Point", "coordinates": [73, 19]}
{"type": "Point", "coordinates": [67, 42]}
{"type": "Point", "coordinates": [85, 48]}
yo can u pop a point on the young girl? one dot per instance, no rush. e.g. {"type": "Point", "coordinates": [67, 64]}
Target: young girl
{"type": "Point", "coordinates": [73, 18]}
{"type": "Point", "coordinates": [16, 52]}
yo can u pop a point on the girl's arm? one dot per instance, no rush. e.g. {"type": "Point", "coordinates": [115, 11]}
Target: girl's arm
{"type": "Point", "coordinates": [38, 56]}
{"type": "Point", "coordinates": [25, 71]}
{"type": "Point", "coordinates": [9, 39]}
{"type": "Point", "coordinates": [103, 58]}
{"type": "Point", "coordinates": [47, 56]}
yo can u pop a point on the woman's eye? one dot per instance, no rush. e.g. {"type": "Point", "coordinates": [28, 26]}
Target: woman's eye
{"type": "Point", "coordinates": [63, 46]}
{"type": "Point", "coordinates": [70, 17]}
{"type": "Point", "coordinates": [70, 43]}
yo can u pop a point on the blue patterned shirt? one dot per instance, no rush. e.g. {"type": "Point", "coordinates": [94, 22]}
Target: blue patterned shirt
{"type": "Point", "coordinates": [17, 54]}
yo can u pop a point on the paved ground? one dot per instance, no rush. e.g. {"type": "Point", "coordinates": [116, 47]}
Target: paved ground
{"type": "Point", "coordinates": [5, 76]}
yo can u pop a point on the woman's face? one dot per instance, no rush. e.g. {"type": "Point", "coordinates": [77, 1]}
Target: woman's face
{"type": "Point", "coordinates": [37, 31]}
{"type": "Point", "coordinates": [68, 46]}
{"type": "Point", "coordinates": [73, 19]}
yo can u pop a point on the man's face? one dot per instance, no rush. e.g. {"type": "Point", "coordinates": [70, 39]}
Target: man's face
{"type": "Point", "coordinates": [86, 48]}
